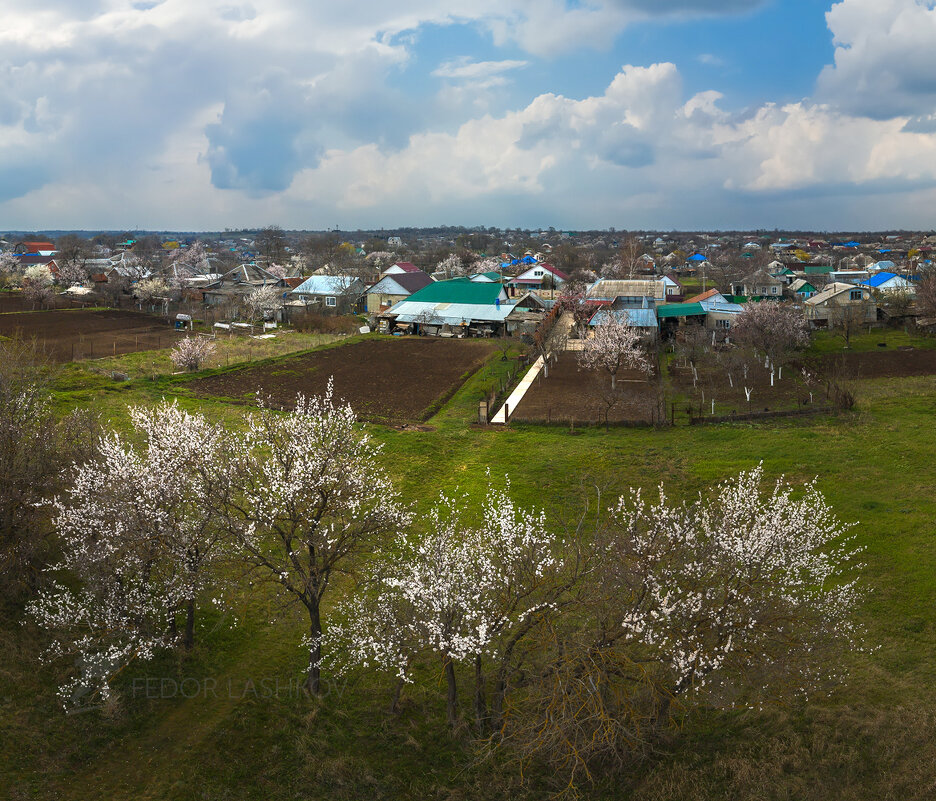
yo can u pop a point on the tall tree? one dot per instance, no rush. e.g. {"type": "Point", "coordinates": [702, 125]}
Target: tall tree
{"type": "Point", "coordinates": [315, 498]}
{"type": "Point", "coordinates": [140, 531]}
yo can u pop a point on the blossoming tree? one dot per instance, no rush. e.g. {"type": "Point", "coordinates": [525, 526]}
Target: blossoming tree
{"type": "Point", "coordinates": [314, 497]}
{"type": "Point", "coordinates": [740, 591]}
{"type": "Point", "coordinates": [457, 593]}
{"type": "Point", "coordinates": [614, 345]}
{"type": "Point", "coordinates": [774, 329]}
{"type": "Point", "coordinates": [263, 302]}
{"type": "Point", "coordinates": [192, 352]}
{"type": "Point", "coordinates": [140, 531]}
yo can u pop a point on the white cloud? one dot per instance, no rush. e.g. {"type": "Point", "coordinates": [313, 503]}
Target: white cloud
{"type": "Point", "coordinates": [234, 112]}
{"type": "Point", "coordinates": [885, 58]}
{"type": "Point", "coordinates": [465, 68]}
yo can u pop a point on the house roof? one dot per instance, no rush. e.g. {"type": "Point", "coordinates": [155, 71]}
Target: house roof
{"type": "Point", "coordinates": [721, 306]}
{"type": "Point", "coordinates": [704, 296]}
{"type": "Point", "coordinates": [407, 267]}
{"type": "Point", "coordinates": [639, 318]}
{"type": "Point", "coordinates": [680, 310]}
{"type": "Point", "coordinates": [609, 289]}
{"type": "Point", "coordinates": [458, 290]}
{"type": "Point", "coordinates": [760, 277]}
{"type": "Point", "coordinates": [33, 258]}
{"type": "Point", "coordinates": [829, 292]}
{"type": "Point", "coordinates": [801, 283]}
{"type": "Point", "coordinates": [880, 278]}
{"type": "Point", "coordinates": [413, 282]}
{"type": "Point", "coordinates": [250, 273]}
{"type": "Point", "coordinates": [326, 285]}
{"type": "Point", "coordinates": [35, 247]}
{"type": "Point", "coordinates": [401, 283]}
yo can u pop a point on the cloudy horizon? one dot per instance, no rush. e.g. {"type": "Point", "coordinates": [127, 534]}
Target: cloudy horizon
{"type": "Point", "coordinates": [674, 114]}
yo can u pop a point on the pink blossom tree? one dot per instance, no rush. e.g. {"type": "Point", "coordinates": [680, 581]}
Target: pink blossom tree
{"type": "Point", "coordinates": [614, 345]}
{"type": "Point", "coordinates": [192, 352]}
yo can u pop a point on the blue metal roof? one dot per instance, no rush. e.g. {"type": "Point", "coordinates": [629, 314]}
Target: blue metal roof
{"type": "Point", "coordinates": [876, 280]}
{"type": "Point", "coordinates": [639, 318]}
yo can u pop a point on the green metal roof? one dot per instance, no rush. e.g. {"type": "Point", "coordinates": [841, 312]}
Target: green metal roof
{"type": "Point", "coordinates": [817, 269]}
{"type": "Point", "coordinates": [680, 310]}
{"type": "Point", "coordinates": [458, 291]}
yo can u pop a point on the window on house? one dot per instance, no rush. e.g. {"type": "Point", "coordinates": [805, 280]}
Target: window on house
{"type": "Point", "coordinates": [855, 294]}
{"type": "Point", "coordinates": [723, 323]}
{"type": "Point", "coordinates": [330, 301]}
{"type": "Point", "coordinates": [537, 273]}
{"type": "Point", "coordinates": [773, 290]}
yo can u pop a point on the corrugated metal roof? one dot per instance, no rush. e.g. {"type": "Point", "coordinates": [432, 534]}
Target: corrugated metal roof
{"type": "Point", "coordinates": [639, 318]}
{"type": "Point", "coordinates": [325, 285]}
{"type": "Point", "coordinates": [721, 307]}
{"type": "Point", "coordinates": [609, 289]}
{"type": "Point", "coordinates": [459, 290]}
{"type": "Point", "coordinates": [408, 311]}
{"type": "Point", "coordinates": [680, 310]}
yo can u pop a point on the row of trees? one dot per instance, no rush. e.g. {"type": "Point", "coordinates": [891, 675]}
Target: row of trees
{"type": "Point", "coordinates": [580, 643]}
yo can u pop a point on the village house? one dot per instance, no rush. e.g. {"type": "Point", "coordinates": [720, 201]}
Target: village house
{"type": "Point", "coordinates": [800, 289]}
{"type": "Point", "coordinates": [538, 276]}
{"type": "Point", "coordinates": [327, 294]}
{"type": "Point", "coordinates": [458, 307]}
{"type": "Point", "coordinates": [840, 303]}
{"type": "Point", "coordinates": [890, 283]}
{"type": "Point", "coordinates": [758, 284]}
{"type": "Point", "coordinates": [393, 288]}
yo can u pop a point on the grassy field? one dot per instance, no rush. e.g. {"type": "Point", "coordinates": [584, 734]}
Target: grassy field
{"type": "Point", "coordinates": [872, 738]}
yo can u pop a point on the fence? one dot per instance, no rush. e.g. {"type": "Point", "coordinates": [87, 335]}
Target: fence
{"type": "Point", "coordinates": [109, 344]}
{"type": "Point", "coordinates": [500, 391]}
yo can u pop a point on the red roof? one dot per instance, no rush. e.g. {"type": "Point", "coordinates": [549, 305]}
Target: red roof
{"type": "Point", "coordinates": [703, 296]}
{"type": "Point", "coordinates": [35, 247]}
{"type": "Point", "coordinates": [555, 271]}
{"type": "Point", "coordinates": [293, 281]}
{"type": "Point", "coordinates": [407, 267]}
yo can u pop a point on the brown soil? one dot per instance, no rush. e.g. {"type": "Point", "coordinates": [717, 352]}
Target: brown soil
{"type": "Point", "coordinates": [791, 391]}
{"type": "Point", "coordinates": [15, 302]}
{"type": "Point", "coordinates": [383, 379]}
{"type": "Point", "coordinates": [883, 363]}
{"type": "Point", "coordinates": [574, 393]}
{"type": "Point", "coordinates": [70, 335]}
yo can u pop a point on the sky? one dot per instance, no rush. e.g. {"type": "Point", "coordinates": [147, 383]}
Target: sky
{"type": "Point", "coordinates": [323, 114]}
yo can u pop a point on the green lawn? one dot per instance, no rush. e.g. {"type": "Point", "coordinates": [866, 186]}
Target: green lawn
{"type": "Point", "coordinates": [872, 738]}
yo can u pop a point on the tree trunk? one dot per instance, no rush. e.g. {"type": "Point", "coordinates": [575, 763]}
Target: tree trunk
{"type": "Point", "coordinates": [188, 639]}
{"type": "Point", "coordinates": [395, 698]}
{"type": "Point", "coordinates": [480, 701]}
{"type": "Point", "coordinates": [451, 706]}
{"type": "Point", "coordinates": [613, 380]}
{"type": "Point", "coordinates": [314, 678]}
